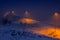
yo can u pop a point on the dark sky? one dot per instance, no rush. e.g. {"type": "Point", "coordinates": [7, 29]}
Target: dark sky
{"type": "Point", "coordinates": [39, 9]}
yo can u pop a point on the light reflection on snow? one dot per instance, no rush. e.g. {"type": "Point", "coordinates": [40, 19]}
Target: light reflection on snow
{"type": "Point", "coordinates": [47, 31]}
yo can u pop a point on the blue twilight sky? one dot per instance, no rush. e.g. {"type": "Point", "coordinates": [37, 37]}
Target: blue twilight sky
{"type": "Point", "coordinates": [39, 9]}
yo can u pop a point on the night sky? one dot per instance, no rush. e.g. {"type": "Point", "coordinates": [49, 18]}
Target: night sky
{"type": "Point", "coordinates": [39, 9]}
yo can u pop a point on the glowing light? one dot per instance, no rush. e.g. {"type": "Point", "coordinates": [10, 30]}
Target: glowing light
{"type": "Point", "coordinates": [13, 12]}
{"type": "Point", "coordinates": [50, 31]}
{"type": "Point", "coordinates": [28, 20]}
{"type": "Point", "coordinates": [56, 14]}
{"type": "Point", "coordinates": [27, 14]}
{"type": "Point", "coordinates": [6, 14]}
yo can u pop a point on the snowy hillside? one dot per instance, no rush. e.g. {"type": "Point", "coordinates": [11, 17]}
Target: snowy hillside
{"type": "Point", "coordinates": [12, 27]}
{"type": "Point", "coordinates": [14, 32]}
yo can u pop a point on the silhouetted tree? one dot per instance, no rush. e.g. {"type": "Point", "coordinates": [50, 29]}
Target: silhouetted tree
{"type": "Point", "coordinates": [4, 20]}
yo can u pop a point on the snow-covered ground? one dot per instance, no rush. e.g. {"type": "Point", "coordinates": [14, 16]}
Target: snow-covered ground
{"type": "Point", "coordinates": [18, 32]}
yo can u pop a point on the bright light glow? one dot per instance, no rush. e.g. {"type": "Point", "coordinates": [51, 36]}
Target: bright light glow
{"type": "Point", "coordinates": [27, 20]}
{"type": "Point", "coordinates": [49, 31]}
{"type": "Point", "coordinates": [56, 14]}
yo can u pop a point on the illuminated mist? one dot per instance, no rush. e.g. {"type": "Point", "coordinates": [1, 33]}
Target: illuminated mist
{"type": "Point", "coordinates": [27, 19]}
{"type": "Point", "coordinates": [51, 29]}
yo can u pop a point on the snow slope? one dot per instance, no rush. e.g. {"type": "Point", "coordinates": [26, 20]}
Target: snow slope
{"type": "Point", "coordinates": [18, 32]}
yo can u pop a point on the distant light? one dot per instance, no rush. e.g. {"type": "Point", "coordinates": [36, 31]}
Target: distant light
{"type": "Point", "coordinates": [13, 12]}
{"type": "Point", "coordinates": [28, 20]}
{"type": "Point", "coordinates": [7, 13]}
{"type": "Point", "coordinates": [27, 14]}
{"type": "Point", "coordinates": [56, 14]}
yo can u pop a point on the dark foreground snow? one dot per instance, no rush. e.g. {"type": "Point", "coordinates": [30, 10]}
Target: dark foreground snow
{"type": "Point", "coordinates": [17, 32]}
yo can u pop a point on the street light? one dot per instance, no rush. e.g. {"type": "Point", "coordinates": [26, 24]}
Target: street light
{"type": "Point", "coordinates": [56, 18]}
{"type": "Point", "coordinates": [56, 14]}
